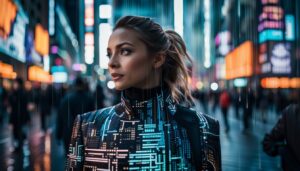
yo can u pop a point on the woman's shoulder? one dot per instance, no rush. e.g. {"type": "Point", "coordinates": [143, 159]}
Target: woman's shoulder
{"type": "Point", "coordinates": [96, 115]}
{"type": "Point", "coordinates": [190, 116]}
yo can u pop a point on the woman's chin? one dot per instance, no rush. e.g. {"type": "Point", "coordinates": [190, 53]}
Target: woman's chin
{"type": "Point", "coordinates": [119, 87]}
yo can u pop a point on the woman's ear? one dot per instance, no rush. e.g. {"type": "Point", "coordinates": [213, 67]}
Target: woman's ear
{"type": "Point", "coordinates": [159, 60]}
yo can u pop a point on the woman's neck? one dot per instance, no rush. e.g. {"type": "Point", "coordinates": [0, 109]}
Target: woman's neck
{"type": "Point", "coordinates": [142, 94]}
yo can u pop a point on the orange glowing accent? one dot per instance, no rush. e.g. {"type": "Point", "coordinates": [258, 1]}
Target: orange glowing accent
{"type": "Point", "coordinates": [8, 12]}
{"type": "Point", "coordinates": [295, 83]}
{"type": "Point", "coordinates": [36, 73]}
{"type": "Point", "coordinates": [89, 22]}
{"type": "Point", "coordinates": [239, 62]}
{"type": "Point", "coordinates": [7, 71]}
{"type": "Point", "coordinates": [41, 40]}
{"type": "Point", "coordinates": [89, 12]}
{"type": "Point", "coordinates": [282, 82]}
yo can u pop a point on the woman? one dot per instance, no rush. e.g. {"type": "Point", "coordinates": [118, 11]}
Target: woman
{"type": "Point", "coordinates": [150, 129]}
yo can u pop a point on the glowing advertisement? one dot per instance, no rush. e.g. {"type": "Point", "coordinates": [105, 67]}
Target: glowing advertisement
{"type": "Point", "coordinates": [271, 25]}
{"type": "Point", "coordinates": [289, 28]}
{"type": "Point", "coordinates": [275, 58]}
{"type": "Point", "coordinates": [239, 61]}
{"type": "Point", "coordinates": [280, 82]}
{"type": "Point", "coordinates": [276, 35]}
{"type": "Point", "coordinates": [8, 12]}
{"type": "Point", "coordinates": [270, 35]}
{"type": "Point", "coordinates": [12, 42]}
{"type": "Point", "coordinates": [36, 73]}
{"type": "Point", "coordinates": [7, 71]}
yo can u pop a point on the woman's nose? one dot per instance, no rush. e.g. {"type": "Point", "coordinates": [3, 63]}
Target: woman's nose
{"type": "Point", "coordinates": [113, 62]}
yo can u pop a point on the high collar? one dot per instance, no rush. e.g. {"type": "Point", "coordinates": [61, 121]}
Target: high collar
{"type": "Point", "coordinates": [144, 94]}
{"type": "Point", "coordinates": [135, 100]}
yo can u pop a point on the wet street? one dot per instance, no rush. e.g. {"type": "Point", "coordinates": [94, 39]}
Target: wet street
{"type": "Point", "coordinates": [42, 152]}
{"type": "Point", "coordinates": [243, 150]}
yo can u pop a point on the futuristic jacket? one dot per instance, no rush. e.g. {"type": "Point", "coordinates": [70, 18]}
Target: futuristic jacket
{"type": "Point", "coordinates": [146, 131]}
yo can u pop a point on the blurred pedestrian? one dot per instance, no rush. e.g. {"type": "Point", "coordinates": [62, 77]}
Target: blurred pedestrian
{"type": "Point", "coordinates": [202, 98]}
{"type": "Point", "coordinates": [236, 96]}
{"type": "Point", "coordinates": [284, 139]}
{"type": "Point", "coordinates": [225, 104]}
{"type": "Point", "coordinates": [247, 105]}
{"type": "Point", "coordinates": [215, 100]}
{"type": "Point", "coordinates": [99, 96]}
{"type": "Point", "coordinates": [281, 101]}
{"type": "Point", "coordinates": [19, 115]}
{"type": "Point", "coordinates": [3, 100]}
{"type": "Point", "coordinates": [45, 104]}
{"type": "Point", "coordinates": [263, 106]}
{"type": "Point", "coordinates": [78, 100]}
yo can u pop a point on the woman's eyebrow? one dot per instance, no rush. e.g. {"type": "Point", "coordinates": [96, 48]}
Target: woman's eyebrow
{"type": "Point", "coordinates": [121, 44]}
{"type": "Point", "coordinates": [124, 43]}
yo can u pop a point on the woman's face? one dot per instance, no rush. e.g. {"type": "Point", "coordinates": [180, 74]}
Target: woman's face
{"type": "Point", "coordinates": [130, 64]}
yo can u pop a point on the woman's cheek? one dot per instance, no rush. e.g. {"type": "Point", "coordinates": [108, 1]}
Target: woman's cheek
{"type": "Point", "coordinates": [137, 64]}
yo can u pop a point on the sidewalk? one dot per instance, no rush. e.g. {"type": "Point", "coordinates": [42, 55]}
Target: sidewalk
{"type": "Point", "coordinates": [243, 151]}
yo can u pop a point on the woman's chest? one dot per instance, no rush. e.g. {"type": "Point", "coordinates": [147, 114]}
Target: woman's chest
{"type": "Point", "coordinates": [123, 144]}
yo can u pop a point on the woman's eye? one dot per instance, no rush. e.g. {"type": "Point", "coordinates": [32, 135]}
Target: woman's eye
{"type": "Point", "coordinates": [108, 55]}
{"type": "Point", "coordinates": [125, 51]}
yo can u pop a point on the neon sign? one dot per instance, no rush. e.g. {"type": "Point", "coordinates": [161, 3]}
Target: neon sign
{"type": "Point", "coordinates": [8, 13]}
{"type": "Point", "coordinates": [290, 27]}
{"type": "Point", "coordinates": [275, 60]}
{"type": "Point", "coordinates": [239, 61]}
{"type": "Point", "coordinates": [270, 34]}
{"type": "Point", "coordinates": [41, 40]}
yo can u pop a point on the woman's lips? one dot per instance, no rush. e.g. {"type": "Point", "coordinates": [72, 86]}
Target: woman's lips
{"type": "Point", "coordinates": [116, 77]}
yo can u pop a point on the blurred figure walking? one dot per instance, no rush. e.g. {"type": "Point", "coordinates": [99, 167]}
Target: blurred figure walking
{"type": "Point", "coordinates": [284, 138]}
{"type": "Point", "coordinates": [236, 98]}
{"type": "Point", "coordinates": [247, 104]}
{"type": "Point", "coordinates": [19, 115]}
{"type": "Point", "coordinates": [224, 104]}
{"type": "Point", "coordinates": [99, 96]}
{"type": "Point", "coordinates": [45, 104]}
{"type": "Point", "coordinates": [3, 101]}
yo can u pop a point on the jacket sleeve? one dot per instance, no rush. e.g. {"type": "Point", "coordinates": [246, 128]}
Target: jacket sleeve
{"type": "Point", "coordinates": [75, 158]}
{"type": "Point", "coordinates": [212, 147]}
{"type": "Point", "coordinates": [276, 137]}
